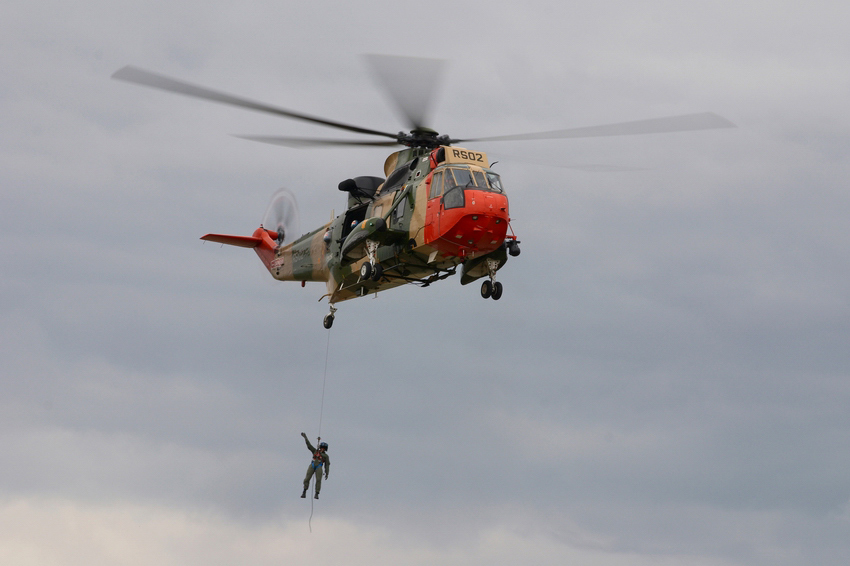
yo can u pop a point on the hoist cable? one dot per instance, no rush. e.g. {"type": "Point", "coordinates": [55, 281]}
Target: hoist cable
{"type": "Point", "coordinates": [318, 440]}
{"type": "Point", "coordinates": [324, 380]}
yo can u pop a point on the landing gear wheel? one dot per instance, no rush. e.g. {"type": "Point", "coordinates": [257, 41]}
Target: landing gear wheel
{"type": "Point", "coordinates": [497, 291]}
{"type": "Point", "coordinates": [365, 271]}
{"type": "Point", "coordinates": [377, 273]}
{"type": "Point", "coordinates": [328, 321]}
{"type": "Point", "coordinates": [486, 289]}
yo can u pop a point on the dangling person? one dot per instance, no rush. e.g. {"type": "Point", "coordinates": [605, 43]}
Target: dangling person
{"type": "Point", "coordinates": [320, 460]}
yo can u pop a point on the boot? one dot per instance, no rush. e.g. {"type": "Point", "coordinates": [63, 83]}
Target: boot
{"type": "Point", "coordinates": [303, 494]}
{"type": "Point", "coordinates": [317, 495]}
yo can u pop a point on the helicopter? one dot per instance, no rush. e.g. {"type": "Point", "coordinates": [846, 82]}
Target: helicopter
{"type": "Point", "coordinates": [438, 208]}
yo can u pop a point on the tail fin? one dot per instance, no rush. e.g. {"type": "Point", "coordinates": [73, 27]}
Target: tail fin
{"type": "Point", "coordinates": [263, 242]}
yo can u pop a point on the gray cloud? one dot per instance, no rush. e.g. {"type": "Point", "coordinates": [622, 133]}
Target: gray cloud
{"type": "Point", "coordinates": [664, 380]}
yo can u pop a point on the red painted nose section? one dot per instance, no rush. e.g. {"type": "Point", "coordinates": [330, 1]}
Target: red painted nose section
{"type": "Point", "coordinates": [477, 228]}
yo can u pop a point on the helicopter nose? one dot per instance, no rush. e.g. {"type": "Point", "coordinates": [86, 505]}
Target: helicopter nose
{"type": "Point", "coordinates": [480, 226]}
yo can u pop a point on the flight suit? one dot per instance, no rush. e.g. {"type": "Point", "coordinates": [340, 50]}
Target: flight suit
{"type": "Point", "coordinates": [320, 459]}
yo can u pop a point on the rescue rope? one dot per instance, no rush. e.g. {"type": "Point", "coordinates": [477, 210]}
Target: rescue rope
{"type": "Point", "coordinates": [324, 380]}
{"type": "Point", "coordinates": [310, 520]}
{"type": "Point", "coordinates": [319, 438]}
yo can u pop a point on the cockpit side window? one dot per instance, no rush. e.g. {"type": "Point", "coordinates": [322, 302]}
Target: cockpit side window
{"type": "Point", "coordinates": [436, 185]}
{"type": "Point", "coordinates": [448, 179]}
{"type": "Point", "coordinates": [495, 182]}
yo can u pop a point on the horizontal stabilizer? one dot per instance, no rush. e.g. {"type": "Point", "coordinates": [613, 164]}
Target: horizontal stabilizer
{"type": "Point", "coordinates": [241, 241]}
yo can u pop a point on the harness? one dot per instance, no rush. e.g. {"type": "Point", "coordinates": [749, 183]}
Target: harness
{"type": "Point", "coordinates": [318, 462]}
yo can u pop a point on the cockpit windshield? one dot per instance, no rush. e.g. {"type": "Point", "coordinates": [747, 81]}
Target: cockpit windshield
{"type": "Point", "coordinates": [466, 178]}
{"type": "Point", "coordinates": [463, 177]}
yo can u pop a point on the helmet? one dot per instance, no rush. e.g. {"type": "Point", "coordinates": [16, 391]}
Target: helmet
{"type": "Point", "coordinates": [323, 445]}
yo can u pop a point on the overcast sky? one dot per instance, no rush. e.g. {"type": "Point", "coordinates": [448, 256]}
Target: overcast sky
{"type": "Point", "coordinates": [664, 381]}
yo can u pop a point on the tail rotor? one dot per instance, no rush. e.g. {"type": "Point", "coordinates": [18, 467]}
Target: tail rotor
{"type": "Point", "coordinates": [282, 216]}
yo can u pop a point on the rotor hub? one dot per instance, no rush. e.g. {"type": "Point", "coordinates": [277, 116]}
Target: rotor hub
{"type": "Point", "coordinates": [423, 137]}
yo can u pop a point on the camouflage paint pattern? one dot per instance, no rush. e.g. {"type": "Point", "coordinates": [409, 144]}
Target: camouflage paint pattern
{"type": "Point", "coordinates": [414, 238]}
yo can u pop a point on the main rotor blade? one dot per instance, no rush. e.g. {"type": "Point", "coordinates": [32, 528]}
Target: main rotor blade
{"type": "Point", "coordinates": [684, 123]}
{"type": "Point", "coordinates": [598, 168]}
{"type": "Point", "coordinates": [315, 142]}
{"type": "Point", "coordinates": [146, 78]}
{"type": "Point", "coordinates": [409, 83]}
